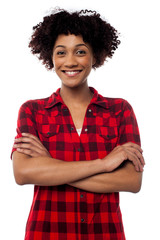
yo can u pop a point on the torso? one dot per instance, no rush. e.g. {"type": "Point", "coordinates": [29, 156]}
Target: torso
{"type": "Point", "coordinates": [65, 208]}
{"type": "Point", "coordinates": [78, 115]}
{"type": "Point", "coordinates": [77, 108]}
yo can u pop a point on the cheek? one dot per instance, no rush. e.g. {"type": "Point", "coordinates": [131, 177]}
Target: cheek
{"type": "Point", "coordinates": [57, 63]}
{"type": "Point", "coordinates": [56, 59]}
{"type": "Point", "coordinates": [87, 62]}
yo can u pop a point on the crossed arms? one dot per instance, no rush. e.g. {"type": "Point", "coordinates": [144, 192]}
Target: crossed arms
{"type": "Point", "coordinates": [120, 170]}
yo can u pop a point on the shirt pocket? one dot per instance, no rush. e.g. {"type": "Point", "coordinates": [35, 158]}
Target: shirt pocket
{"type": "Point", "coordinates": [109, 134]}
{"type": "Point", "coordinates": [47, 131]}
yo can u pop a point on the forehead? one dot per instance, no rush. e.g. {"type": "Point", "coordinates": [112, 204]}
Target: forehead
{"type": "Point", "coordinates": [69, 41]}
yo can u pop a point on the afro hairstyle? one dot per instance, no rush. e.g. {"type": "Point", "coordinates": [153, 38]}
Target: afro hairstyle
{"type": "Point", "coordinates": [102, 37]}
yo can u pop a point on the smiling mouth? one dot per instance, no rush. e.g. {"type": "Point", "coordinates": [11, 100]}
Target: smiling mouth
{"type": "Point", "coordinates": [71, 73]}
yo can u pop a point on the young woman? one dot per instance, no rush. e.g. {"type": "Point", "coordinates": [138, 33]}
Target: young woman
{"type": "Point", "coordinates": [78, 148]}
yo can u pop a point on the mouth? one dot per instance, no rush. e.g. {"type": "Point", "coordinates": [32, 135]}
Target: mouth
{"type": "Point", "coordinates": [71, 73]}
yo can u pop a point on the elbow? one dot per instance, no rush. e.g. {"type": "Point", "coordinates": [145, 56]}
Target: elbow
{"type": "Point", "coordinates": [136, 189]}
{"type": "Point", "coordinates": [20, 168]}
{"type": "Point", "coordinates": [136, 186]}
{"type": "Point", "coordinates": [20, 174]}
{"type": "Point", "coordinates": [19, 178]}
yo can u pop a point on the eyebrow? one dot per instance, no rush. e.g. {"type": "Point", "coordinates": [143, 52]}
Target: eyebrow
{"type": "Point", "coordinates": [78, 45]}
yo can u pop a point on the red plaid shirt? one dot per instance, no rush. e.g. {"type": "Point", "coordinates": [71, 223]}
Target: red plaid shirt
{"type": "Point", "coordinates": [64, 212]}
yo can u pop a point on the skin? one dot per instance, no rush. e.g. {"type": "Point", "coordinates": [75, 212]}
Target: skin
{"type": "Point", "coordinates": [72, 53]}
{"type": "Point", "coordinates": [121, 170]}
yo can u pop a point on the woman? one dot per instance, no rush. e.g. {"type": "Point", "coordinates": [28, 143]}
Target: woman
{"type": "Point", "coordinates": [78, 148]}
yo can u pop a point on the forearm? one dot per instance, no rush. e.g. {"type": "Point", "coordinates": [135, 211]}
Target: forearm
{"type": "Point", "coordinates": [46, 171]}
{"type": "Point", "coordinates": [33, 164]}
{"type": "Point", "coordinates": [122, 179]}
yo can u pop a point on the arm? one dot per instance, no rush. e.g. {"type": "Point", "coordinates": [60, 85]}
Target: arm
{"type": "Point", "coordinates": [32, 163]}
{"type": "Point", "coordinates": [46, 171]}
{"type": "Point", "coordinates": [124, 178]}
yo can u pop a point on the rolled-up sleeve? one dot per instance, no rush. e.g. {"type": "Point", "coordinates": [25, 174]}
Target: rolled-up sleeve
{"type": "Point", "coordinates": [128, 129]}
{"type": "Point", "coordinates": [25, 122]}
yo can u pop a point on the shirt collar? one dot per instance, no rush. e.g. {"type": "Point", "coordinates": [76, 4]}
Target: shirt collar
{"type": "Point", "coordinates": [97, 99]}
{"type": "Point", "coordinates": [54, 99]}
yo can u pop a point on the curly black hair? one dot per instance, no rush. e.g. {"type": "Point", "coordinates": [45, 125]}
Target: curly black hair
{"type": "Point", "coordinates": [102, 37]}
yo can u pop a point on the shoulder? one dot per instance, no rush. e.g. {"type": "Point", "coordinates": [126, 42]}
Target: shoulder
{"type": "Point", "coordinates": [117, 105]}
{"type": "Point", "coordinates": [34, 105]}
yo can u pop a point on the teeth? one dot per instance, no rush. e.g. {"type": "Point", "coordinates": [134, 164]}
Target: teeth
{"type": "Point", "coordinates": [71, 72]}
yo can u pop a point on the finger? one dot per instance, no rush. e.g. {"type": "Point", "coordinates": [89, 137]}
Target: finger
{"type": "Point", "coordinates": [27, 152]}
{"type": "Point", "coordinates": [133, 145]}
{"type": "Point", "coordinates": [28, 135]}
{"type": "Point", "coordinates": [136, 149]}
{"type": "Point", "coordinates": [29, 140]}
{"type": "Point", "coordinates": [135, 160]}
{"type": "Point", "coordinates": [141, 158]}
{"type": "Point", "coordinates": [138, 164]}
{"type": "Point", "coordinates": [27, 146]}
{"type": "Point", "coordinates": [139, 155]}
{"type": "Point", "coordinates": [31, 136]}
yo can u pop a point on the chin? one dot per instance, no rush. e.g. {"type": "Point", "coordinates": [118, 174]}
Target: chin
{"type": "Point", "coordinates": [73, 85]}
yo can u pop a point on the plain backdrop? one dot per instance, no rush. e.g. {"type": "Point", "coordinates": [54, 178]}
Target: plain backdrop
{"type": "Point", "coordinates": [132, 74]}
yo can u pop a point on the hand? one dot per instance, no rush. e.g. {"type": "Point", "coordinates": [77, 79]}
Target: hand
{"type": "Point", "coordinates": [30, 145]}
{"type": "Point", "coordinates": [128, 151]}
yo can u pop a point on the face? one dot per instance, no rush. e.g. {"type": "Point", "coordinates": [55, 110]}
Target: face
{"type": "Point", "coordinates": [73, 60]}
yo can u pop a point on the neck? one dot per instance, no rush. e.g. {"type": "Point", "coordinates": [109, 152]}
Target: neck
{"type": "Point", "coordinates": [76, 96]}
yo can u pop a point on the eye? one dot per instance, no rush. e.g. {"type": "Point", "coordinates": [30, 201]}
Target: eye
{"type": "Point", "coordinates": [81, 52]}
{"type": "Point", "coordinates": [60, 53]}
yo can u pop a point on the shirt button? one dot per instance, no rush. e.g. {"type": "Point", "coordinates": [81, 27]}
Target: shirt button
{"type": "Point", "coordinates": [48, 133]}
{"type": "Point", "coordinates": [82, 219]}
{"type": "Point", "coordinates": [89, 110]}
{"type": "Point", "coordinates": [79, 149]}
{"type": "Point", "coordinates": [72, 128]}
{"type": "Point", "coordinates": [81, 195]}
{"type": "Point", "coordinates": [86, 129]}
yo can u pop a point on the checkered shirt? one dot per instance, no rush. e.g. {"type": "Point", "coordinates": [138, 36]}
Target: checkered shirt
{"type": "Point", "coordinates": [64, 212]}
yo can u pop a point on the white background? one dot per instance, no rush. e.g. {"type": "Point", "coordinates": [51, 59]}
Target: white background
{"type": "Point", "coordinates": [132, 74]}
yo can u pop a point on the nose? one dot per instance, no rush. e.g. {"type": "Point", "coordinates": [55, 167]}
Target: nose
{"type": "Point", "coordinates": [70, 61]}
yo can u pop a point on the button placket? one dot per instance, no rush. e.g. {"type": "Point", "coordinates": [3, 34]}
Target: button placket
{"type": "Point", "coordinates": [81, 196]}
{"type": "Point", "coordinates": [83, 207]}
{"type": "Point", "coordinates": [65, 109]}
{"type": "Point", "coordinates": [72, 128]}
{"type": "Point", "coordinates": [82, 220]}
{"type": "Point", "coordinates": [91, 112]}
